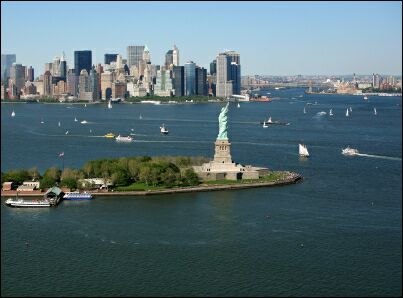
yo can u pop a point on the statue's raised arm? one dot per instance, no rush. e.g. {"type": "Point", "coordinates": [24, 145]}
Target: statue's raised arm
{"type": "Point", "coordinates": [223, 123]}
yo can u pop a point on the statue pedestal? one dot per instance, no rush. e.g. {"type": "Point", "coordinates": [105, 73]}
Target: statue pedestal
{"type": "Point", "coordinates": [222, 153]}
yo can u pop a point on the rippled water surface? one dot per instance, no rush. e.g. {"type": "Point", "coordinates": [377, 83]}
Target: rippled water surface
{"type": "Point", "coordinates": [338, 233]}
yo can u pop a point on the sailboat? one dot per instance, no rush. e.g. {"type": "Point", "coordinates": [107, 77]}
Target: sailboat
{"type": "Point", "coordinates": [375, 111]}
{"type": "Point", "coordinates": [303, 151]}
{"type": "Point", "coordinates": [85, 105]}
{"type": "Point", "coordinates": [265, 125]}
{"type": "Point", "coordinates": [59, 123]}
{"type": "Point", "coordinates": [141, 117]}
{"type": "Point", "coordinates": [351, 109]}
{"type": "Point", "coordinates": [347, 113]}
{"type": "Point", "coordinates": [163, 129]}
{"type": "Point", "coordinates": [13, 114]}
{"type": "Point", "coordinates": [238, 105]}
{"type": "Point", "coordinates": [110, 104]}
{"type": "Point", "coordinates": [75, 120]}
{"type": "Point", "coordinates": [67, 132]}
{"type": "Point", "coordinates": [330, 112]}
{"type": "Point", "coordinates": [304, 111]}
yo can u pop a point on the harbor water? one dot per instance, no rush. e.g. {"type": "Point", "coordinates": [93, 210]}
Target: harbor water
{"type": "Point", "coordinates": [338, 232]}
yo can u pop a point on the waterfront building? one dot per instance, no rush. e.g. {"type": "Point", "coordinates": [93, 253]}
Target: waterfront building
{"type": "Point", "coordinates": [30, 74]}
{"type": "Point", "coordinates": [3, 92]}
{"type": "Point", "coordinates": [29, 88]}
{"type": "Point", "coordinates": [134, 55]}
{"type": "Point", "coordinates": [223, 67]}
{"type": "Point", "coordinates": [39, 87]}
{"type": "Point", "coordinates": [17, 76]}
{"type": "Point", "coordinates": [178, 76]}
{"type": "Point", "coordinates": [7, 61]}
{"type": "Point", "coordinates": [213, 67]}
{"type": "Point", "coordinates": [169, 59]}
{"type": "Point", "coordinates": [13, 92]}
{"type": "Point", "coordinates": [108, 58]}
{"type": "Point", "coordinates": [163, 86]}
{"type": "Point", "coordinates": [235, 77]}
{"type": "Point", "coordinates": [82, 60]}
{"type": "Point", "coordinates": [60, 88]}
{"type": "Point", "coordinates": [94, 84]}
{"type": "Point", "coordinates": [175, 56]}
{"type": "Point", "coordinates": [119, 89]}
{"type": "Point", "coordinates": [47, 84]}
{"type": "Point", "coordinates": [136, 90]}
{"type": "Point", "coordinates": [84, 89]}
{"type": "Point", "coordinates": [107, 78]}
{"type": "Point", "coordinates": [190, 78]}
{"type": "Point", "coordinates": [201, 81]}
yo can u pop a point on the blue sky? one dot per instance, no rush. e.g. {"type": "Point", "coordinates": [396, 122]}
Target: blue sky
{"type": "Point", "coordinates": [274, 38]}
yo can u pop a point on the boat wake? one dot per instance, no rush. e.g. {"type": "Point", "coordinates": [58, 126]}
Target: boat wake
{"type": "Point", "coordinates": [379, 156]}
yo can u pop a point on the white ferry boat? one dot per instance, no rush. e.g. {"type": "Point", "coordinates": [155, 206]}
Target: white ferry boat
{"type": "Point", "coordinates": [75, 195]}
{"type": "Point", "coordinates": [349, 151]}
{"type": "Point", "coordinates": [18, 202]}
{"type": "Point", "coordinates": [163, 129]}
{"type": "Point", "coordinates": [119, 138]}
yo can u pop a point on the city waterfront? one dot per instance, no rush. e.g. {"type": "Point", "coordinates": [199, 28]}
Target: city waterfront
{"type": "Point", "coordinates": [336, 233]}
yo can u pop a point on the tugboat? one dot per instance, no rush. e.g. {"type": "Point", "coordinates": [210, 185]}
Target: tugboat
{"type": "Point", "coordinates": [163, 129]}
{"type": "Point", "coordinates": [109, 135]}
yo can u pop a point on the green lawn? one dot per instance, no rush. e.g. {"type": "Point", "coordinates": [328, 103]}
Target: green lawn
{"type": "Point", "coordinates": [273, 176]}
{"type": "Point", "coordinates": [139, 187]}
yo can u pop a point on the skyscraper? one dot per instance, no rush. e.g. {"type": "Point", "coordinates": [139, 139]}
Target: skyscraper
{"type": "Point", "coordinates": [201, 81]}
{"type": "Point", "coordinates": [30, 74]}
{"type": "Point", "coordinates": [190, 78]}
{"type": "Point", "coordinates": [72, 83]}
{"type": "Point", "coordinates": [82, 60]}
{"type": "Point", "coordinates": [63, 67]}
{"type": "Point", "coordinates": [175, 56]}
{"type": "Point", "coordinates": [6, 61]}
{"type": "Point", "coordinates": [134, 55]}
{"type": "Point", "coordinates": [56, 67]}
{"type": "Point", "coordinates": [17, 76]}
{"type": "Point", "coordinates": [223, 67]}
{"type": "Point", "coordinates": [169, 59]}
{"type": "Point", "coordinates": [213, 67]}
{"type": "Point", "coordinates": [94, 84]}
{"type": "Point", "coordinates": [228, 74]}
{"type": "Point", "coordinates": [47, 84]}
{"type": "Point", "coordinates": [110, 58]}
{"type": "Point", "coordinates": [178, 74]}
{"type": "Point", "coordinates": [235, 77]}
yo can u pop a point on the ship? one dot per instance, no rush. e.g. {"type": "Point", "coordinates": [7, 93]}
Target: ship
{"type": "Point", "coordinates": [163, 129]}
{"type": "Point", "coordinates": [127, 139]}
{"type": "Point", "coordinates": [349, 151]}
{"type": "Point", "coordinates": [109, 135]}
{"type": "Point", "coordinates": [18, 202]}
{"type": "Point", "coordinates": [75, 196]}
{"type": "Point", "coordinates": [303, 151]}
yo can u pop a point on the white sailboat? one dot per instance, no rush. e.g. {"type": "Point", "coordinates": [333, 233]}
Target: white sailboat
{"type": "Point", "coordinates": [331, 112]}
{"type": "Point", "coordinates": [375, 111]}
{"type": "Point", "coordinates": [13, 114]}
{"type": "Point", "coordinates": [304, 111]}
{"type": "Point", "coordinates": [238, 105]}
{"type": "Point", "coordinates": [67, 132]}
{"type": "Point", "coordinates": [347, 114]}
{"type": "Point", "coordinates": [75, 120]}
{"type": "Point", "coordinates": [110, 104]}
{"type": "Point", "coordinates": [85, 105]}
{"type": "Point", "coordinates": [58, 124]}
{"type": "Point", "coordinates": [265, 125]}
{"type": "Point", "coordinates": [269, 121]}
{"type": "Point", "coordinates": [351, 109]}
{"type": "Point", "coordinates": [163, 129]}
{"type": "Point", "coordinates": [303, 151]}
{"type": "Point", "coordinates": [140, 117]}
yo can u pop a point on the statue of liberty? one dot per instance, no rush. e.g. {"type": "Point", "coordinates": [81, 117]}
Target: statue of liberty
{"type": "Point", "coordinates": [222, 118]}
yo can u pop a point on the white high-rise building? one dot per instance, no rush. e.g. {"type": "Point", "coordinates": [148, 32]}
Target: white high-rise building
{"type": "Point", "coordinates": [175, 54]}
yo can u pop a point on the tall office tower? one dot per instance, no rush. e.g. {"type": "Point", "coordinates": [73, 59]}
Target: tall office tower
{"type": "Point", "coordinates": [376, 81]}
{"type": "Point", "coordinates": [178, 76]}
{"type": "Point", "coordinates": [55, 67]}
{"type": "Point", "coordinates": [6, 61]}
{"type": "Point", "coordinates": [17, 76]}
{"type": "Point", "coordinates": [63, 67]}
{"type": "Point", "coordinates": [82, 60]}
{"type": "Point", "coordinates": [84, 86]}
{"type": "Point", "coordinates": [48, 67]}
{"type": "Point", "coordinates": [201, 81]}
{"type": "Point", "coordinates": [134, 55]}
{"type": "Point", "coordinates": [94, 84]}
{"type": "Point", "coordinates": [169, 59]}
{"type": "Point", "coordinates": [146, 55]}
{"type": "Point", "coordinates": [110, 58]}
{"type": "Point", "coordinates": [235, 57]}
{"type": "Point", "coordinates": [163, 85]}
{"type": "Point", "coordinates": [235, 77]}
{"type": "Point", "coordinates": [72, 83]}
{"type": "Point", "coordinates": [100, 70]}
{"type": "Point", "coordinates": [47, 84]}
{"type": "Point", "coordinates": [190, 78]}
{"type": "Point", "coordinates": [223, 69]}
{"type": "Point", "coordinates": [24, 69]}
{"type": "Point", "coordinates": [30, 74]}
{"type": "Point", "coordinates": [213, 67]}
{"type": "Point", "coordinates": [175, 56]}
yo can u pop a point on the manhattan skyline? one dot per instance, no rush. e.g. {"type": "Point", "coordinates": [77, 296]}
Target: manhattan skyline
{"type": "Point", "coordinates": [274, 38]}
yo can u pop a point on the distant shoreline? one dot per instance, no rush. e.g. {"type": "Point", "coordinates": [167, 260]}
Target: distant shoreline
{"type": "Point", "coordinates": [292, 178]}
